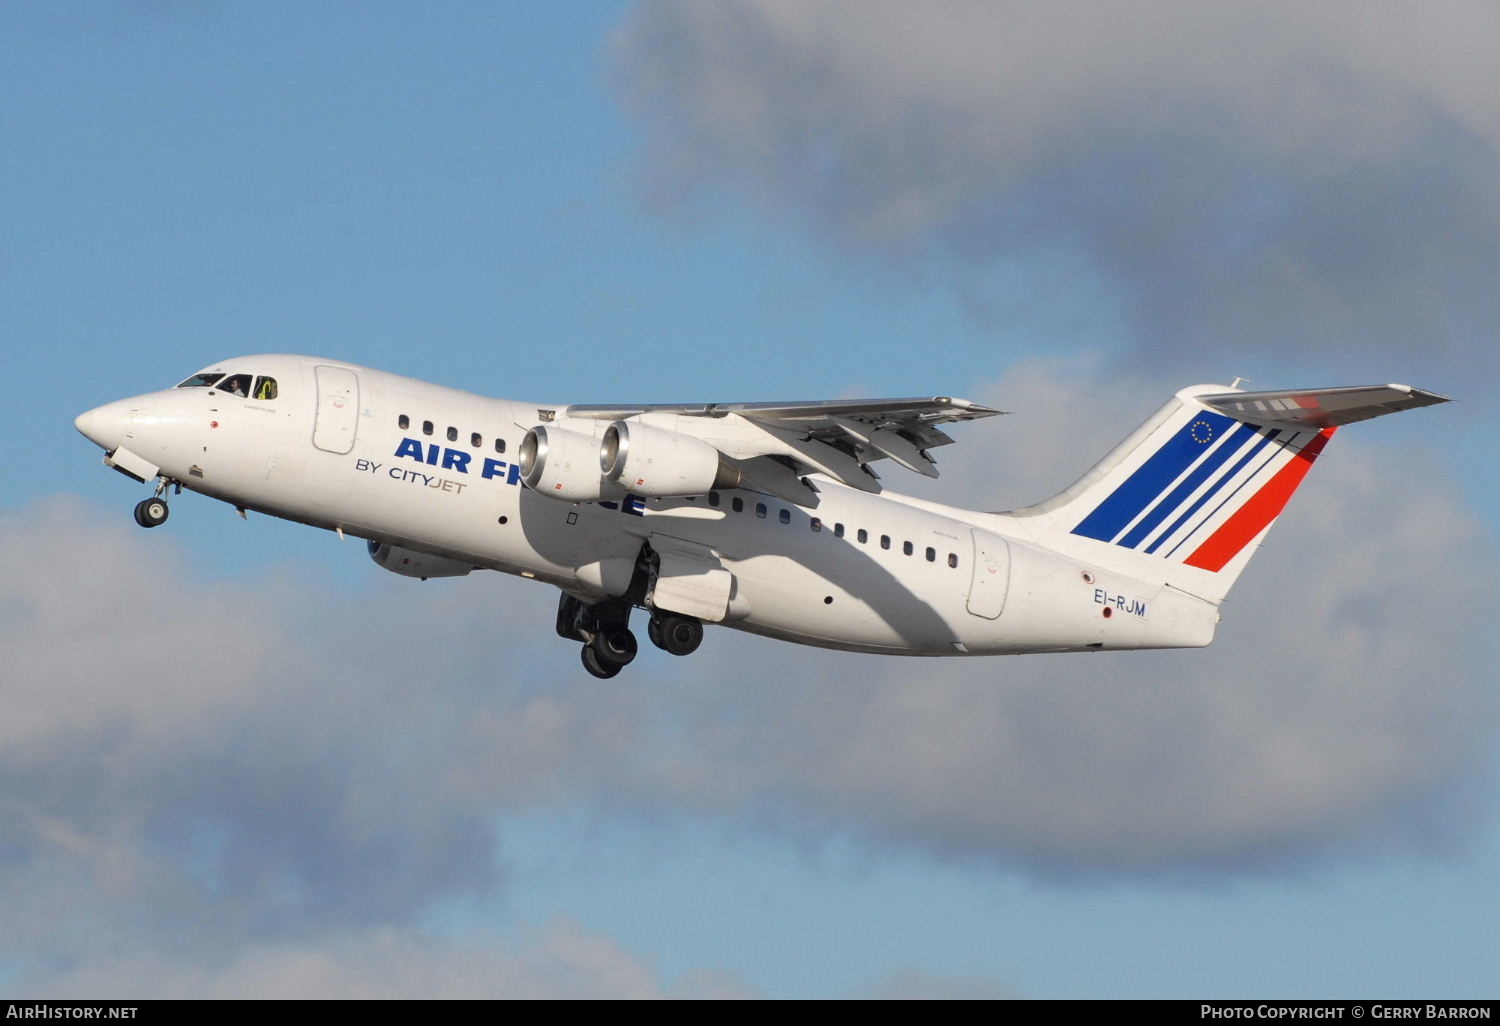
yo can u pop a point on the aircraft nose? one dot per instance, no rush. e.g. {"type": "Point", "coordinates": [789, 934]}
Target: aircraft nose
{"type": "Point", "coordinates": [104, 425]}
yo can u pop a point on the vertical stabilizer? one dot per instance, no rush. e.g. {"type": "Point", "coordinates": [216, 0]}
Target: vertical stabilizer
{"type": "Point", "coordinates": [1188, 498]}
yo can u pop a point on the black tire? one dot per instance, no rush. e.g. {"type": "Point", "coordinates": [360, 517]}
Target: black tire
{"type": "Point", "coordinates": [653, 631]}
{"type": "Point", "coordinates": [151, 512]}
{"type": "Point", "coordinates": [567, 617]}
{"type": "Point", "coordinates": [616, 646]}
{"type": "Point", "coordinates": [680, 635]}
{"type": "Point", "coordinates": [591, 663]}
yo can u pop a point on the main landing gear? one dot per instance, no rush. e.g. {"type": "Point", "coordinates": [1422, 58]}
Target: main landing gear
{"type": "Point", "coordinates": [678, 635]}
{"type": "Point", "coordinates": [608, 643]}
{"type": "Point", "coordinates": [153, 512]}
{"type": "Point", "coordinates": [604, 629]}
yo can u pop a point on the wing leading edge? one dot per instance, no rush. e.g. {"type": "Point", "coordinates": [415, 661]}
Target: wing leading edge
{"type": "Point", "coordinates": [777, 443]}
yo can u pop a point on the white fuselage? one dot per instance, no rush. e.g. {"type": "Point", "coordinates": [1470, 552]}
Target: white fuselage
{"type": "Point", "coordinates": [864, 572]}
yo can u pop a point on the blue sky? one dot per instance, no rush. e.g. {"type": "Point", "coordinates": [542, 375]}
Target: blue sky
{"type": "Point", "coordinates": [666, 202]}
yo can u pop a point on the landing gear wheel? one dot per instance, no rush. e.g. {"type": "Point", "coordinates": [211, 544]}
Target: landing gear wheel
{"type": "Point", "coordinates": [151, 512]}
{"type": "Point", "coordinates": [679, 635]}
{"type": "Point", "coordinates": [617, 647]}
{"type": "Point", "coordinates": [567, 617]}
{"type": "Point", "coordinates": [591, 663]}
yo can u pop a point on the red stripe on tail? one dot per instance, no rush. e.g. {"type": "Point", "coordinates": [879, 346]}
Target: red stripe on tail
{"type": "Point", "coordinates": [1256, 515]}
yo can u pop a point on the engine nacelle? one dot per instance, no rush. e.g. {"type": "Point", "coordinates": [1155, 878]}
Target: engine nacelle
{"type": "Point", "coordinates": [563, 462]}
{"type": "Point", "coordinates": [656, 462]}
{"type": "Point", "coordinates": [415, 564]}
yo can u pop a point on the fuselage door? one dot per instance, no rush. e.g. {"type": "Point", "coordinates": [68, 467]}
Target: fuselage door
{"type": "Point", "coordinates": [991, 578]}
{"type": "Point", "coordinates": [338, 409]}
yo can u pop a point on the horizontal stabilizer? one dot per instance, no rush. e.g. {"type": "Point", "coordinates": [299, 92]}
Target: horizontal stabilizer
{"type": "Point", "coordinates": [1320, 407]}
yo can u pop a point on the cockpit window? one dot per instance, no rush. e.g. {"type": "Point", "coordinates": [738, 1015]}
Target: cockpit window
{"type": "Point", "coordinates": [236, 384]}
{"type": "Point", "coordinates": [265, 388]}
{"type": "Point", "coordinates": [202, 380]}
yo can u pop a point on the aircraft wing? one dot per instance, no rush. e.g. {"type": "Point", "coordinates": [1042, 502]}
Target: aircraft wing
{"type": "Point", "coordinates": [778, 443]}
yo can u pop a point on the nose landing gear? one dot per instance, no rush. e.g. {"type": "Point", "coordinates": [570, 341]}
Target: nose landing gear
{"type": "Point", "coordinates": [153, 512]}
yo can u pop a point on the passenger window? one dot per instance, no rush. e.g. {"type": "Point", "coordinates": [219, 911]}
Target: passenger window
{"type": "Point", "coordinates": [863, 536]}
{"type": "Point", "coordinates": [403, 422]}
{"type": "Point", "coordinates": [760, 510]}
{"type": "Point", "coordinates": [815, 524]}
{"type": "Point", "coordinates": [885, 541]}
{"type": "Point", "coordinates": [453, 434]}
{"type": "Point", "coordinates": [426, 427]}
{"type": "Point", "coordinates": [953, 559]}
{"type": "Point", "coordinates": [906, 548]}
{"type": "Point", "coordinates": [931, 554]}
{"type": "Point", "coordinates": [713, 498]}
{"type": "Point", "coordinates": [785, 516]}
{"type": "Point", "coordinates": [265, 388]}
{"type": "Point", "coordinates": [838, 530]}
{"type": "Point", "coordinates": [499, 445]}
{"type": "Point", "coordinates": [476, 440]}
{"type": "Point", "coordinates": [739, 504]}
{"type": "Point", "coordinates": [236, 384]}
{"type": "Point", "coordinates": [202, 380]}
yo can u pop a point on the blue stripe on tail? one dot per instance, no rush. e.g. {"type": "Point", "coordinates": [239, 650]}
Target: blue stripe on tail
{"type": "Point", "coordinates": [1126, 502]}
{"type": "Point", "coordinates": [1211, 492]}
{"type": "Point", "coordinates": [1239, 435]}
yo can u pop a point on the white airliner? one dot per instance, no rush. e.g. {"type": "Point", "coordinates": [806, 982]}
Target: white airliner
{"type": "Point", "coordinates": [764, 517]}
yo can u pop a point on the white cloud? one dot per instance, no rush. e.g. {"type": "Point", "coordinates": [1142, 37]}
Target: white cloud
{"type": "Point", "coordinates": [206, 764]}
{"type": "Point", "coordinates": [1271, 176]}
{"type": "Point", "coordinates": [561, 960]}
{"type": "Point", "coordinates": [941, 99]}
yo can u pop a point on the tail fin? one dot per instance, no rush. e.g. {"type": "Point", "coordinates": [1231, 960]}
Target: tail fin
{"type": "Point", "coordinates": [1188, 498]}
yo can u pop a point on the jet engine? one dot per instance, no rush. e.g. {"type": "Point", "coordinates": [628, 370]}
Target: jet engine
{"type": "Point", "coordinates": [563, 463]}
{"type": "Point", "coordinates": [415, 564]}
{"type": "Point", "coordinates": [655, 462]}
